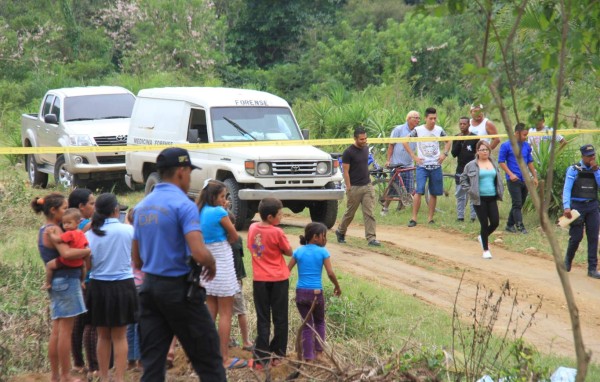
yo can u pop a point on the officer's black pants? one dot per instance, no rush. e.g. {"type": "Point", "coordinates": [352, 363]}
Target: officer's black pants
{"type": "Point", "coordinates": [167, 312]}
{"type": "Point", "coordinates": [590, 219]}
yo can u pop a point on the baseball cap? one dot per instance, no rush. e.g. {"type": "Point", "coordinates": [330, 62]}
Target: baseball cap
{"type": "Point", "coordinates": [476, 106]}
{"type": "Point", "coordinates": [174, 157]}
{"type": "Point", "coordinates": [587, 150]}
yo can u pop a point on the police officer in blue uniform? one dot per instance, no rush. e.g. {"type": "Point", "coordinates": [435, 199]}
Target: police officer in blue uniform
{"type": "Point", "coordinates": [580, 193]}
{"type": "Point", "coordinates": [167, 232]}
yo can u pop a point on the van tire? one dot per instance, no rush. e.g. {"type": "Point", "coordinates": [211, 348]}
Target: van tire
{"type": "Point", "coordinates": [238, 207]}
{"type": "Point", "coordinates": [151, 182]}
{"type": "Point", "coordinates": [326, 211]}
{"type": "Point", "coordinates": [36, 177]}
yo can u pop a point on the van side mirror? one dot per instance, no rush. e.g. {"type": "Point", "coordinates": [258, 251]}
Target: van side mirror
{"type": "Point", "coordinates": [305, 133]}
{"type": "Point", "coordinates": [51, 118]}
{"type": "Point", "coordinates": [193, 136]}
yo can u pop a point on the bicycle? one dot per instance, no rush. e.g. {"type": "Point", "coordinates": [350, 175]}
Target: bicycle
{"type": "Point", "coordinates": [395, 190]}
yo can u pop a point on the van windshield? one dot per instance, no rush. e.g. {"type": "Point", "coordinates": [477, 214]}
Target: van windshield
{"type": "Point", "coordinates": [100, 106]}
{"type": "Point", "coordinates": [253, 123]}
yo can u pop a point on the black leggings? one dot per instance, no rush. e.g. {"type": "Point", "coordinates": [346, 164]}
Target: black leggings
{"type": "Point", "coordinates": [489, 218]}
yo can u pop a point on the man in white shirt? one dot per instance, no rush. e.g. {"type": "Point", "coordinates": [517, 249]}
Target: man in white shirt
{"type": "Point", "coordinates": [429, 163]}
{"type": "Point", "coordinates": [540, 127]}
{"type": "Point", "coordinates": [480, 125]}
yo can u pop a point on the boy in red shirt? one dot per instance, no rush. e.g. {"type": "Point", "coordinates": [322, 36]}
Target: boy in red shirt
{"type": "Point", "coordinates": [267, 244]}
{"type": "Point", "coordinates": [72, 236]}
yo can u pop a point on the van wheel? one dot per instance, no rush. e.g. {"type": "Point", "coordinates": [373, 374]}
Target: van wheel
{"type": "Point", "coordinates": [62, 176]}
{"type": "Point", "coordinates": [151, 182]}
{"type": "Point", "coordinates": [238, 207]}
{"type": "Point", "coordinates": [324, 212]}
{"type": "Point", "coordinates": [36, 178]}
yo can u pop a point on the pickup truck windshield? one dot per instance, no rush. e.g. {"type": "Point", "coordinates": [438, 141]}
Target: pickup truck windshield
{"type": "Point", "coordinates": [103, 106]}
{"type": "Point", "coordinates": [253, 123]}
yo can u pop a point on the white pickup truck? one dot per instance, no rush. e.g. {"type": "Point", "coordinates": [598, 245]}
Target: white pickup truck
{"type": "Point", "coordinates": [301, 176]}
{"type": "Point", "coordinates": [81, 116]}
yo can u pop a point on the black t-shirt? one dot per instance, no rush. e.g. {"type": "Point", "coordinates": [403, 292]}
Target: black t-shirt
{"type": "Point", "coordinates": [358, 159]}
{"type": "Point", "coordinates": [465, 151]}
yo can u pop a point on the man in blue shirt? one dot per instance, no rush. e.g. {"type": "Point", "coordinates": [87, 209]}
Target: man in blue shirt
{"type": "Point", "coordinates": [580, 193]}
{"type": "Point", "coordinates": [398, 156]}
{"type": "Point", "coordinates": [166, 233]}
{"type": "Point", "coordinates": [514, 179]}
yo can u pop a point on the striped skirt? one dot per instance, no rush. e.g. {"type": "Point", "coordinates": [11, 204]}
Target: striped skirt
{"type": "Point", "coordinates": [225, 283]}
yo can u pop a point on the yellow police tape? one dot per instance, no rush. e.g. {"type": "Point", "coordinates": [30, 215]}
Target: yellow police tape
{"type": "Point", "coordinates": [220, 145]}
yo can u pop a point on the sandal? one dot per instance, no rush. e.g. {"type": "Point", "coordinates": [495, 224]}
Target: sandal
{"type": "Point", "coordinates": [237, 363]}
{"type": "Point", "coordinates": [248, 348]}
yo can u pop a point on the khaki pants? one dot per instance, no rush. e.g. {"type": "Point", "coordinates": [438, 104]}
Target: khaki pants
{"type": "Point", "coordinates": [365, 196]}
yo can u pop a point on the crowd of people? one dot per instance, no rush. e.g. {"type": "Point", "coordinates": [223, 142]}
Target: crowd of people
{"type": "Point", "coordinates": [477, 176]}
{"type": "Point", "coordinates": [171, 270]}
{"type": "Point", "coordinates": [174, 268]}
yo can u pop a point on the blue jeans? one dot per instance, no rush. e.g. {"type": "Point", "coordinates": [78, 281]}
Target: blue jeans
{"type": "Point", "coordinates": [436, 180]}
{"type": "Point", "coordinates": [461, 195]}
{"type": "Point", "coordinates": [133, 342]}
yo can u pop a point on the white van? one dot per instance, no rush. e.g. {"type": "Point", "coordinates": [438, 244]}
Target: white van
{"type": "Point", "coordinates": [300, 176]}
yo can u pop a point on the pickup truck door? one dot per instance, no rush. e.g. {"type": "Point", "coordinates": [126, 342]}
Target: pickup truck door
{"type": "Point", "coordinates": [47, 133]}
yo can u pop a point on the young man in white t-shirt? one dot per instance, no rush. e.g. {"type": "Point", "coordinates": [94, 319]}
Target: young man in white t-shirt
{"type": "Point", "coordinates": [429, 161]}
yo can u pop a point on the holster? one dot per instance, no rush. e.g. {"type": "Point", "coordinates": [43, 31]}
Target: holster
{"type": "Point", "coordinates": [195, 291]}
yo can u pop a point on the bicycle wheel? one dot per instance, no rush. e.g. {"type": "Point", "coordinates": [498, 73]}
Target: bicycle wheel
{"type": "Point", "coordinates": [449, 183]}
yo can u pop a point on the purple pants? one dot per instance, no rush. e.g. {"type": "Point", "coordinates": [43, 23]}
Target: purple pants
{"type": "Point", "coordinates": [304, 300]}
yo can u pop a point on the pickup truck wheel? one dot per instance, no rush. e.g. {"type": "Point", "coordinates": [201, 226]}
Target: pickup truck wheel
{"type": "Point", "coordinates": [151, 182]}
{"type": "Point", "coordinates": [62, 176]}
{"type": "Point", "coordinates": [324, 212]}
{"type": "Point", "coordinates": [238, 207]}
{"type": "Point", "coordinates": [36, 178]}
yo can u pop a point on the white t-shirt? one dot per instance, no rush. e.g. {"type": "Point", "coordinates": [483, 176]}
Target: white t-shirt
{"type": "Point", "coordinates": [429, 151]}
{"type": "Point", "coordinates": [535, 141]}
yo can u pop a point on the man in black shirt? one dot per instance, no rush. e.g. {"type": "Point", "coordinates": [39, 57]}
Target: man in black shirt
{"type": "Point", "coordinates": [359, 190]}
{"type": "Point", "coordinates": [464, 150]}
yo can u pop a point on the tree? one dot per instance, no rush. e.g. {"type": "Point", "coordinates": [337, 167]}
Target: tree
{"type": "Point", "coordinates": [566, 37]}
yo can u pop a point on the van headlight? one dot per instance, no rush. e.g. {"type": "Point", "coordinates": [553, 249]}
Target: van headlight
{"type": "Point", "coordinates": [264, 169]}
{"type": "Point", "coordinates": [81, 140]}
{"type": "Point", "coordinates": [322, 168]}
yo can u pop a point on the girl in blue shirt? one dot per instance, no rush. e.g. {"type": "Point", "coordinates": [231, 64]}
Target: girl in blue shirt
{"type": "Point", "coordinates": [311, 258]}
{"type": "Point", "coordinates": [218, 232]}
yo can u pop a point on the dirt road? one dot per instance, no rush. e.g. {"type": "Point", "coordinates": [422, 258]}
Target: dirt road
{"type": "Point", "coordinates": [428, 264]}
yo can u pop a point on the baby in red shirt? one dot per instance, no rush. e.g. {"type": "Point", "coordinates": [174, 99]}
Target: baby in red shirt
{"type": "Point", "coordinates": [75, 238]}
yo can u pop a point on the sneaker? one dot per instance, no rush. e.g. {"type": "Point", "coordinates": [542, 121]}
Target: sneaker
{"type": "Point", "coordinates": [374, 243]}
{"type": "Point", "coordinates": [487, 255]}
{"type": "Point", "coordinates": [521, 228]}
{"type": "Point", "coordinates": [384, 211]}
{"type": "Point", "coordinates": [510, 228]}
{"type": "Point", "coordinates": [460, 220]}
{"type": "Point", "coordinates": [341, 238]}
{"type": "Point", "coordinates": [412, 223]}
{"type": "Point", "coordinates": [480, 241]}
